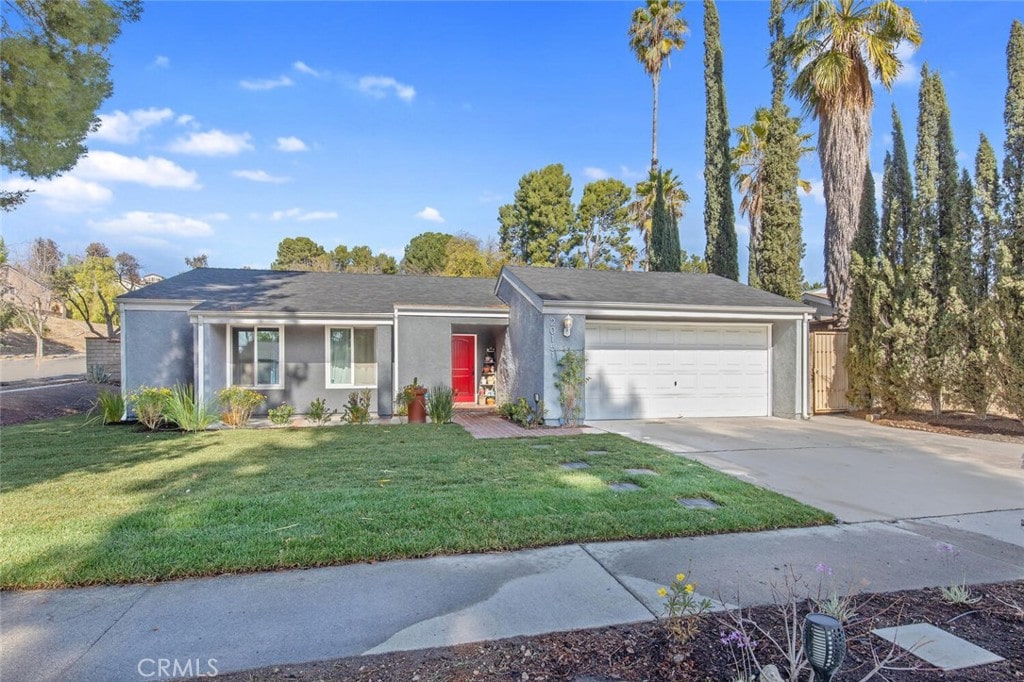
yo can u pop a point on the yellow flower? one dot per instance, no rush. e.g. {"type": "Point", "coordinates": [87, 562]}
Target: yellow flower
{"type": "Point", "coordinates": [680, 577]}
{"type": "Point", "coordinates": [662, 592]}
{"type": "Point", "coordinates": [689, 589]}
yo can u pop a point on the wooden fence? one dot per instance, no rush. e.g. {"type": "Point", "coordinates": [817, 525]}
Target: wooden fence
{"type": "Point", "coordinates": [829, 380]}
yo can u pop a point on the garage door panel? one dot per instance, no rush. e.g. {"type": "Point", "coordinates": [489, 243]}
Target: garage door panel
{"type": "Point", "coordinates": [667, 370]}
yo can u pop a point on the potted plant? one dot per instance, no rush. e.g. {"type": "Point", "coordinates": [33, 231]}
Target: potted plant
{"type": "Point", "coordinates": [411, 401]}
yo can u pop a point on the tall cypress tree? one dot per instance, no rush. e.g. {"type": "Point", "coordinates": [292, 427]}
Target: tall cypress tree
{"type": "Point", "coordinates": [901, 205]}
{"type": "Point", "coordinates": [1013, 160]}
{"type": "Point", "coordinates": [719, 216]}
{"type": "Point", "coordinates": [978, 379]}
{"type": "Point", "coordinates": [862, 359]}
{"type": "Point", "coordinates": [780, 246]}
{"type": "Point", "coordinates": [987, 203]}
{"type": "Point", "coordinates": [664, 251]}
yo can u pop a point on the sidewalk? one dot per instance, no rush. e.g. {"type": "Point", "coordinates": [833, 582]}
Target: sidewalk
{"type": "Point", "coordinates": [247, 621]}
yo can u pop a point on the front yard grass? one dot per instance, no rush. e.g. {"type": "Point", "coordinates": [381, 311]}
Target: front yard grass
{"type": "Point", "coordinates": [84, 504]}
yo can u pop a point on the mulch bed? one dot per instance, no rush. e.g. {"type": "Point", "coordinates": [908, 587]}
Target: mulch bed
{"type": "Point", "coordinates": [59, 400]}
{"type": "Point", "coordinates": [994, 427]}
{"type": "Point", "coordinates": [644, 651]}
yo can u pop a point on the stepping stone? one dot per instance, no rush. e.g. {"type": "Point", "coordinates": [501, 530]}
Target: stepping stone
{"type": "Point", "coordinates": [697, 503]}
{"type": "Point", "coordinates": [642, 472]}
{"type": "Point", "coordinates": [597, 452]}
{"type": "Point", "coordinates": [938, 647]}
{"type": "Point", "coordinates": [540, 446]}
{"type": "Point", "coordinates": [575, 465]}
{"type": "Point", "coordinates": [621, 487]}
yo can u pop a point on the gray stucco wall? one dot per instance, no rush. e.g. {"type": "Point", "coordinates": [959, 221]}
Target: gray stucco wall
{"type": "Point", "coordinates": [556, 346]}
{"type": "Point", "coordinates": [425, 346]}
{"type": "Point", "coordinates": [526, 343]}
{"type": "Point", "coordinates": [157, 347]}
{"type": "Point", "coordinates": [305, 370]}
{"type": "Point", "coordinates": [786, 374]}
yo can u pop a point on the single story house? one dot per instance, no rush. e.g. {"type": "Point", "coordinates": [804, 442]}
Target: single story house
{"type": "Point", "coordinates": [656, 345]}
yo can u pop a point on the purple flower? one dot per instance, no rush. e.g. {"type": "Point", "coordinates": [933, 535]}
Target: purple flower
{"type": "Point", "coordinates": [823, 568]}
{"type": "Point", "coordinates": [738, 639]}
{"type": "Point", "coordinates": [946, 548]}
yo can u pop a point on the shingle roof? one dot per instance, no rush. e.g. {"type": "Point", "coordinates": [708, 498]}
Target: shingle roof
{"type": "Point", "coordinates": [670, 289]}
{"type": "Point", "coordinates": [280, 291]}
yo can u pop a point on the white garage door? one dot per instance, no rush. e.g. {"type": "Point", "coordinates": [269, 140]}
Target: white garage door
{"type": "Point", "coordinates": [646, 371]}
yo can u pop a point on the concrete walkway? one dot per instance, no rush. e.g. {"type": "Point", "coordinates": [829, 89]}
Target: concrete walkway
{"type": "Point", "coordinates": [247, 621]}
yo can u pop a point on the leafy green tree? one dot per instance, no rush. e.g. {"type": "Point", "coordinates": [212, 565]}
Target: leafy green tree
{"type": "Point", "coordinates": [1013, 159]}
{"type": "Point", "coordinates": [89, 284]}
{"type": "Point", "coordinates": [535, 226]}
{"type": "Point", "coordinates": [837, 46]}
{"type": "Point", "coordinates": [426, 253]}
{"type": "Point", "coordinates": [641, 208]}
{"type": "Point", "coordinates": [691, 262]}
{"type": "Point", "coordinates": [600, 237]}
{"type": "Point", "coordinates": [898, 242]}
{"type": "Point", "coordinates": [301, 253]}
{"type": "Point", "coordinates": [988, 200]}
{"type": "Point", "coordinates": [196, 262]}
{"type": "Point", "coordinates": [664, 252]}
{"type": "Point", "coordinates": [1009, 307]}
{"type": "Point", "coordinates": [34, 305]}
{"type": "Point", "coordinates": [862, 359]}
{"type": "Point", "coordinates": [362, 259]}
{"type": "Point", "coordinates": [468, 257]}
{"type": "Point", "coordinates": [56, 73]}
{"type": "Point", "coordinates": [655, 31]}
{"type": "Point", "coordinates": [719, 216]}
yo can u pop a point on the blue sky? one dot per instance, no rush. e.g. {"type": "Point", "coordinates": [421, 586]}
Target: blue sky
{"type": "Point", "coordinates": [236, 124]}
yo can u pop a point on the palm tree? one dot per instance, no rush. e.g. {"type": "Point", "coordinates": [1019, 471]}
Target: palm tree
{"type": "Point", "coordinates": [748, 157]}
{"type": "Point", "coordinates": [836, 48]}
{"type": "Point", "coordinates": [655, 31]}
{"type": "Point", "coordinates": [641, 207]}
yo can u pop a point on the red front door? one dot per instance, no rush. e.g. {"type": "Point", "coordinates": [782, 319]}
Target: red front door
{"type": "Point", "coordinates": [464, 367]}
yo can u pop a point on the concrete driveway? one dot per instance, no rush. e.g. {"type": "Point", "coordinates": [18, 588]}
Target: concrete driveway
{"type": "Point", "coordinates": [856, 470]}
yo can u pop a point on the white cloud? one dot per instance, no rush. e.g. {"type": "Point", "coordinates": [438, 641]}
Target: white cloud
{"type": "Point", "coordinates": [152, 171]}
{"type": "Point", "coordinates": [149, 225]}
{"type": "Point", "coordinates": [66, 193]}
{"type": "Point", "coordinates": [299, 215]}
{"type": "Point", "coordinates": [212, 143]}
{"type": "Point", "coordinates": [596, 173]}
{"type": "Point", "coordinates": [218, 217]}
{"type": "Point", "coordinates": [267, 83]}
{"type": "Point", "coordinates": [431, 214]}
{"type": "Point", "coordinates": [125, 128]}
{"type": "Point", "coordinates": [162, 62]}
{"type": "Point", "coordinates": [260, 176]}
{"type": "Point", "coordinates": [379, 86]}
{"type": "Point", "coordinates": [290, 144]}
{"type": "Point", "coordinates": [302, 67]}
{"type": "Point", "coordinates": [187, 120]}
{"type": "Point", "coordinates": [628, 173]}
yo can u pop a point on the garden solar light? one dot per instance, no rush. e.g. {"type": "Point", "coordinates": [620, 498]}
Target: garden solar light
{"type": "Point", "coordinates": [824, 645]}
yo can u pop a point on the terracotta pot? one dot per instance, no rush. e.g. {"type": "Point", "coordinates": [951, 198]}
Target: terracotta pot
{"type": "Point", "coordinates": [418, 406]}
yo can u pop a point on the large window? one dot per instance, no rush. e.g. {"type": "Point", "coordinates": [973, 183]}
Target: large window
{"type": "Point", "coordinates": [256, 356]}
{"type": "Point", "coordinates": [351, 357]}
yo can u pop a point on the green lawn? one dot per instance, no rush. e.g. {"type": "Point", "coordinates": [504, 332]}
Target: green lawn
{"type": "Point", "coordinates": [102, 504]}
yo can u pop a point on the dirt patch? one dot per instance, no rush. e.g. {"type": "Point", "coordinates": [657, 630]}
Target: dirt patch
{"type": "Point", "coordinates": [994, 427]}
{"type": "Point", "coordinates": [644, 652]}
{"type": "Point", "coordinates": [48, 402]}
{"type": "Point", "coordinates": [63, 337]}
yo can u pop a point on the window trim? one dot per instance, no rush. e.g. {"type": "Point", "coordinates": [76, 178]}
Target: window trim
{"type": "Point", "coordinates": [254, 328]}
{"type": "Point", "coordinates": [327, 359]}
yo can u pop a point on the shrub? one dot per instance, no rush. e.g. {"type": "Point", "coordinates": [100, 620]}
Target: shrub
{"type": "Point", "coordinates": [520, 412]}
{"type": "Point", "coordinates": [95, 374]}
{"type": "Point", "coordinates": [238, 404]}
{"type": "Point", "coordinates": [149, 404]}
{"type": "Point", "coordinates": [441, 404]}
{"type": "Point", "coordinates": [281, 415]}
{"type": "Point", "coordinates": [108, 408]}
{"type": "Point", "coordinates": [405, 396]}
{"type": "Point", "coordinates": [570, 382]}
{"type": "Point", "coordinates": [183, 409]}
{"type": "Point", "coordinates": [357, 410]}
{"type": "Point", "coordinates": [318, 412]}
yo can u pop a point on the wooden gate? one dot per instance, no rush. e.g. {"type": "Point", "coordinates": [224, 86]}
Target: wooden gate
{"type": "Point", "coordinates": [829, 380]}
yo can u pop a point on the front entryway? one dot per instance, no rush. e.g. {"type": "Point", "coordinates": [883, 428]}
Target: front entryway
{"type": "Point", "coordinates": [464, 367]}
{"type": "Point", "coordinates": [645, 371]}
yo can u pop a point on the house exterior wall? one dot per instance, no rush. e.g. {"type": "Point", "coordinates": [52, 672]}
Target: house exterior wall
{"type": "Point", "coordinates": [305, 369]}
{"type": "Point", "coordinates": [787, 375]}
{"type": "Point", "coordinates": [425, 346]}
{"type": "Point", "coordinates": [556, 346]}
{"type": "Point", "coordinates": [526, 343]}
{"type": "Point", "coordinates": [157, 348]}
